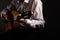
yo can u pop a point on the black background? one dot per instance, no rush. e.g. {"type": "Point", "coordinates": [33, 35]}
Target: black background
{"type": "Point", "coordinates": [51, 16]}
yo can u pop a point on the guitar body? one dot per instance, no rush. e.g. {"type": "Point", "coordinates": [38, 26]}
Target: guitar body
{"type": "Point", "coordinates": [8, 27]}
{"type": "Point", "coordinates": [12, 23]}
{"type": "Point", "coordinates": [15, 23]}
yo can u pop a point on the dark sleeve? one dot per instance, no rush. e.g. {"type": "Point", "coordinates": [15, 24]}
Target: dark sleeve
{"type": "Point", "coordinates": [9, 6]}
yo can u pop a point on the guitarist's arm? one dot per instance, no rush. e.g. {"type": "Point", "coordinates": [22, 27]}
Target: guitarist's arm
{"type": "Point", "coordinates": [8, 7]}
{"type": "Point", "coordinates": [37, 18]}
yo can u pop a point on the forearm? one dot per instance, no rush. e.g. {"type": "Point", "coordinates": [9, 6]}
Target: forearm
{"type": "Point", "coordinates": [33, 22]}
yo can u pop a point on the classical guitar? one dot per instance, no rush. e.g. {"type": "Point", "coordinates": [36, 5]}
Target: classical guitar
{"type": "Point", "coordinates": [15, 16]}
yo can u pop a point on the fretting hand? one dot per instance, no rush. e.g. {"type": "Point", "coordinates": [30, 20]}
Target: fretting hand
{"type": "Point", "coordinates": [23, 20]}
